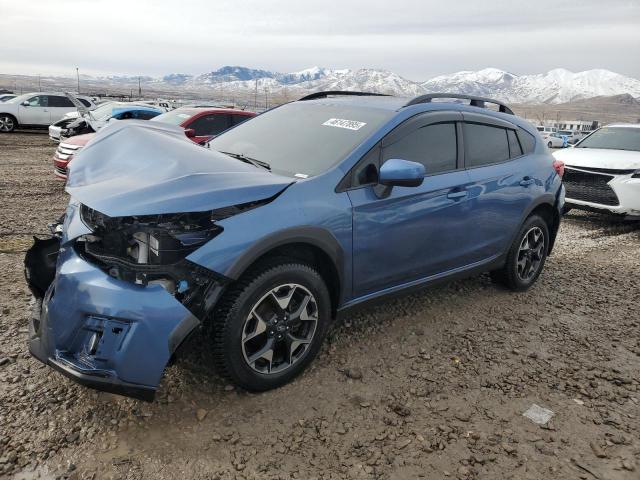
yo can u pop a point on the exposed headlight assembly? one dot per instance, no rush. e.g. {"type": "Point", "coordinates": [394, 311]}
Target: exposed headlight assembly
{"type": "Point", "coordinates": [152, 250]}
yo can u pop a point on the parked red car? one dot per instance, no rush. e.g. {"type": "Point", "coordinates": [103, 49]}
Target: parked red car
{"type": "Point", "coordinates": [200, 124]}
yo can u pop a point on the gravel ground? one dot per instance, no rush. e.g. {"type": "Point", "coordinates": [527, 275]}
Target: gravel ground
{"type": "Point", "coordinates": [431, 385]}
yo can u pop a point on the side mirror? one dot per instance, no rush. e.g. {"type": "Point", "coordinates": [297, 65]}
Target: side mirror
{"type": "Point", "coordinates": [25, 103]}
{"type": "Point", "coordinates": [396, 172]}
{"type": "Point", "coordinates": [190, 132]}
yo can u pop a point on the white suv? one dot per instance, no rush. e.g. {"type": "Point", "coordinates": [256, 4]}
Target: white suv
{"type": "Point", "coordinates": [36, 110]}
{"type": "Point", "coordinates": [602, 172]}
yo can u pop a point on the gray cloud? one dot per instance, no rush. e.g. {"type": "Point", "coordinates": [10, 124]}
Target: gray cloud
{"type": "Point", "coordinates": [417, 39]}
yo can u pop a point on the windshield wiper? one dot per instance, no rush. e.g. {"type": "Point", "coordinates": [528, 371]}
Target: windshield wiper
{"type": "Point", "coordinates": [249, 160]}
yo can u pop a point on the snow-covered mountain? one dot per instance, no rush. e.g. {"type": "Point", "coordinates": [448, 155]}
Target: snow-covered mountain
{"type": "Point", "coordinates": [555, 86]}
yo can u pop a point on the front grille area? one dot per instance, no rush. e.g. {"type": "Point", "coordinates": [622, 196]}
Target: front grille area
{"type": "Point", "coordinates": [589, 187]}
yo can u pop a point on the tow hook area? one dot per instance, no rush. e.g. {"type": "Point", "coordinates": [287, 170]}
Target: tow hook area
{"type": "Point", "coordinates": [40, 264]}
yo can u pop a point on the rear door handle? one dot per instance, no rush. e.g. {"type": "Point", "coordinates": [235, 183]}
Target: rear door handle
{"type": "Point", "coordinates": [457, 194]}
{"type": "Point", "coordinates": [526, 181]}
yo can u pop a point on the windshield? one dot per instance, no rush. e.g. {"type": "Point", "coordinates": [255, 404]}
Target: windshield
{"type": "Point", "coordinates": [174, 117]}
{"type": "Point", "coordinates": [302, 138]}
{"type": "Point", "coordinates": [613, 138]}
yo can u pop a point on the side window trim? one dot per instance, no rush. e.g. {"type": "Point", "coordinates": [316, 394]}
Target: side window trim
{"type": "Point", "coordinates": [522, 153]}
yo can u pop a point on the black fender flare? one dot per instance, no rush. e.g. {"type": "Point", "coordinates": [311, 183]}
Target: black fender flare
{"type": "Point", "coordinates": [548, 199]}
{"type": "Point", "coordinates": [314, 236]}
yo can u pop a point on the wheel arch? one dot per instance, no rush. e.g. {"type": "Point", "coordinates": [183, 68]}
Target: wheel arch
{"type": "Point", "coordinates": [314, 246]}
{"type": "Point", "coordinates": [15, 119]}
{"type": "Point", "coordinates": [551, 217]}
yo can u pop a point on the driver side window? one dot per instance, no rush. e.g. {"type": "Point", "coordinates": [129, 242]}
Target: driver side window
{"type": "Point", "coordinates": [39, 101]}
{"type": "Point", "coordinates": [435, 146]}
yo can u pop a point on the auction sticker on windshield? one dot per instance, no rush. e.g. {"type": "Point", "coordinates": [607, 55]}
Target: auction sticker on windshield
{"type": "Point", "coordinates": [342, 123]}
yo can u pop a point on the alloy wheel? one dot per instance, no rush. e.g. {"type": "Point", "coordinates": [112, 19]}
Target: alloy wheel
{"type": "Point", "coordinates": [530, 254]}
{"type": "Point", "coordinates": [6, 124]}
{"type": "Point", "coordinates": [279, 329]}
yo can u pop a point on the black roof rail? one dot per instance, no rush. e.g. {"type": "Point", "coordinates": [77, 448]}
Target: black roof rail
{"type": "Point", "coordinates": [325, 94]}
{"type": "Point", "coordinates": [474, 101]}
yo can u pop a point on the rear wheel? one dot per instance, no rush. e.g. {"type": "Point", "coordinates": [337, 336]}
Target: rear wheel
{"type": "Point", "coordinates": [271, 325]}
{"type": "Point", "coordinates": [7, 123]}
{"type": "Point", "coordinates": [549, 144]}
{"type": "Point", "coordinates": [526, 256]}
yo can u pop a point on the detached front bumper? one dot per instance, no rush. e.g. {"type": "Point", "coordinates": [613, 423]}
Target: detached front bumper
{"type": "Point", "coordinates": [105, 333]}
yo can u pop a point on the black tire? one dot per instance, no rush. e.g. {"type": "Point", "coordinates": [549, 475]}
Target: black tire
{"type": "Point", "coordinates": [231, 320]}
{"type": "Point", "coordinates": [549, 144]}
{"type": "Point", "coordinates": [510, 274]}
{"type": "Point", "coordinates": [8, 123]}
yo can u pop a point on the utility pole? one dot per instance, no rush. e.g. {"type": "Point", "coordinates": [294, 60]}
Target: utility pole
{"type": "Point", "coordinates": [39, 88]}
{"type": "Point", "coordinates": [78, 76]}
{"type": "Point", "coordinates": [255, 97]}
{"type": "Point", "coordinates": [139, 88]}
{"type": "Point", "coordinates": [266, 98]}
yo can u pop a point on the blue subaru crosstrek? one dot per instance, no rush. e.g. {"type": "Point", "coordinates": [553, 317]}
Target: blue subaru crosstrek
{"type": "Point", "coordinates": [286, 220]}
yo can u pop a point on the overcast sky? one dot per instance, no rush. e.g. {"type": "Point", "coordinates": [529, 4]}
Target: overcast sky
{"type": "Point", "coordinates": [417, 39]}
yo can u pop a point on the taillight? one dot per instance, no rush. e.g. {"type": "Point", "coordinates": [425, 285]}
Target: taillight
{"type": "Point", "coordinates": [558, 166]}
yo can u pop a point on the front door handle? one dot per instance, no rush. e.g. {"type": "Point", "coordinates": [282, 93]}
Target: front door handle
{"type": "Point", "coordinates": [526, 181]}
{"type": "Point", "coordinates": [457, 194]}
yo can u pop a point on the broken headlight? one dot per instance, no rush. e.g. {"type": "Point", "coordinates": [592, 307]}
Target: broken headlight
{"type": "Point", "coordinates": [148, 249]}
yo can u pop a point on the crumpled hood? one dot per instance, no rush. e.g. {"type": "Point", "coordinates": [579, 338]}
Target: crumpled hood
{"type": "Point", "coordinates": [145, 168]}
{"type": "Point", "coordinates": [599, 158]}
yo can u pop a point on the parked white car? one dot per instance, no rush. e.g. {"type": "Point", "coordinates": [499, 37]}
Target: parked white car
{"type": "Point", "coordinates": [554, 140]}
{"type": "Point", "coordinates": [602, 171]}
{"type": "Point", "coordinates": [39, 109]}
{"type": "Point", "coordinates": [573, 136]}
{"type": "Point", "coordinates": [7, 96]}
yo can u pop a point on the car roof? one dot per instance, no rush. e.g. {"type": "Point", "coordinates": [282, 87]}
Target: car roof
{"type": "Point", "coordinates": [196, 110]}
{"type": "Point", "coordinates": [390, 103]}
{"type": "Point", "coordinates": [624, 125]}
{"type": "Point", "coordinates": [395, 104]}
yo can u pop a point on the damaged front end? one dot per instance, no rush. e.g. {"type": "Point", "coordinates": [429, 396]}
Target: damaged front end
{"type": "Point", "coordinates": [124, 296]}
{"type": "Point", "coordinates": [117, 291]}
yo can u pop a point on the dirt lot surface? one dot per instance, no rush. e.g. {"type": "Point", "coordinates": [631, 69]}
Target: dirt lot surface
{"type": "Point", "coordinates": [432, 385]}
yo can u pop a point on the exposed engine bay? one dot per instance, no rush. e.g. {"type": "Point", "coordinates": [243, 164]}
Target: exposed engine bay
{"type": "Point", "coordinates": [152, 250]}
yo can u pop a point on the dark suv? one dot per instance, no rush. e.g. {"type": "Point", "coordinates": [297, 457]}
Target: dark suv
{"type": "Point", "coordinates": [308, 209]}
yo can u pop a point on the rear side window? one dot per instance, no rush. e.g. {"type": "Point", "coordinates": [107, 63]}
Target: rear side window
{"type": "Point", "coordinates": [64, 102]}
{"type": "Point", "coordinates": [238, 119]}
{"type": "Point", "coordinates": [211, 124]}
{"type": "Point", "coordinates": [484, 144]}
{"type": "Point", "coordinates": [527, 141]}
{"type": "Point", "coordinates": [146, 115]}
{"type": "Point", "coordinates": [435, 146]}
{"type": "Point", "coordinates": [514, 145]}
{"type": "Point", "coordinates": [85, 102]}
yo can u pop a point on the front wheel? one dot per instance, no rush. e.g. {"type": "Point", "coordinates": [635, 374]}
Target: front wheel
{"type": "Point", "coordinates": [526, 257]}
{"type": "Point", "coordinates": [7, 123]}
{"type": "Point", "coordinates": [549, 144]}
{"type": "Point", "coordinates": [270, 325]}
